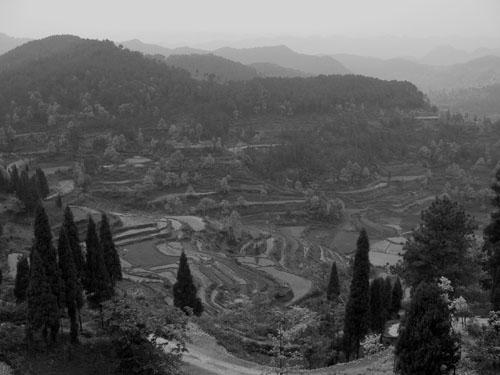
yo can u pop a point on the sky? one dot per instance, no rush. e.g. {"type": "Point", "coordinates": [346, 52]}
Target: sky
{"type": "Point", "coordinates": [198, 21]}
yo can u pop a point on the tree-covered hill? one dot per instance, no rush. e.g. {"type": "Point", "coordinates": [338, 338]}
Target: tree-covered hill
{"type": "Point", "coordinates": [211, 67]}
{"type": "Point", "coordinates": [60, 78]}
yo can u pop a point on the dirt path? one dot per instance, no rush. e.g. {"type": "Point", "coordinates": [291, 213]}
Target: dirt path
{"type": "Point", "coordinates": [206, 357]}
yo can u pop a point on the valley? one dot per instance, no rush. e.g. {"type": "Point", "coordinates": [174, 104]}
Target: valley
{"type": "Point", "coordinates": [265, 189]}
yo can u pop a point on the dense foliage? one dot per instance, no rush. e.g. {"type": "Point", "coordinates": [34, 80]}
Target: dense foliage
{"type": "Point", "coordinates": [426, 342]}
{"type": "Point", "coordinates": [142, 337]}
{"type": "Point", "coordinates": [439, 246]}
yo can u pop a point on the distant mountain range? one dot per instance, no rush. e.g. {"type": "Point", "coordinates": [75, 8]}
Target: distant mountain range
{"type": "Point", "coordinates": [479, 72]}
{"type": "Point", "coordinates": [448, 55]}
{"type": "Point", "coordinates": [277, 55]}
{"type": "Point", "coordinates": [220, 69]}
{"type": "Point", "coordinates": [8, 42]}
{"type": "Point", "coordinates": [284, 56]}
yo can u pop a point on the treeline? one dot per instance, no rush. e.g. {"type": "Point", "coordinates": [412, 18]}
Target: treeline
{"type": "Point", "coordinates": [45, 81]}
{"type": "Point", "coordinates": [29, 190]}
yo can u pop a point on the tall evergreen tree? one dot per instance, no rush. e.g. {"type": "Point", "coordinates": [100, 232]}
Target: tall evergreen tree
{"type": "Point", "coordinates": [377, 312]}
{"type": "Point", "coordinates": [357, 312]}
{"type": "Point", "coordinates": [111, 257]}
{"type": "Point", "coordinates": [397, 296]}
{"type": "Point", "coordinates": [97, 281]}
{"type": "Point", "coordinates": [14, 177]}
{"type": "Point", "coordinates": [491, 246]}
{"type": "Point", "coordinates": [72, 284]}
{"type": "Point", "coordinates": [59, 202]}
{"type": "Point", "coordinates": [42, 184]}
{"type": "Point", "coordinates": [333, 289]}
{"type": "Point", "coordinates": [184, 289]}
{"type": "Point", "coordinates": [22, 279]}
{"type": "Point", "coordinates": [43, 309]}
{"type": "Point", "coordinates": [44, 247]}
{"type": "Point", "coordinates": [71, 231]}
{"type": "Point", "coordinates": [426, 342]}
{"type": "Point", "coordinates": [386, 297]}
{"type": "Point", "coordinates": [439, 245]}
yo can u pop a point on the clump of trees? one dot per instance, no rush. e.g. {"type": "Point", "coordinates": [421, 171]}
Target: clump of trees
{"type": "Point", "coordinates": [56, 278]}
{"type": "Point", "coordinates": [30, 190]}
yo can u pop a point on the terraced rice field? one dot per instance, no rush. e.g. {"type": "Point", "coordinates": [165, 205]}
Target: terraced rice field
{"type": "Point", "coordinates": [145, 254]}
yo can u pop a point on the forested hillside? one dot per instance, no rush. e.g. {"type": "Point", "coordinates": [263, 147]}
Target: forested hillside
{"type": "Point", "coordinates": [63, 77]}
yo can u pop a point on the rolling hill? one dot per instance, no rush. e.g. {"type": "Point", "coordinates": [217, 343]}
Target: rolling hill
{"type": "Point", "coordinates": [476, 73]}
{"type": "Point", "coordinates": [212, 67]}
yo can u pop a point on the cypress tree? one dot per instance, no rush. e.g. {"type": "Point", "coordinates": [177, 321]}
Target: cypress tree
{"type": "Point", "coordinates": [45, 249]}
{"type": "Point", "coordinates": [22, 279]}
{"type": "Point", "coordinates": [333, 289]}
{"type": "Point", "coordinates": [71, 231]}
{"type": "Point", "coordinates": [386, 297]}
{"type": "Point", "coordinates": [42, 184]}
{"type": "Point", "coordinates": [357, 312]}
{"type": "Point", "coordinates": [426, 342]}
{"type": "Point", "coordinates": [111, 257]}
{"type": "Point", "coordinates": [72, 284]}
{"type": "Point", "coordinates": [14, 178]}
{"type": "Point", "coordinates": [184, 289]}
{"type": "Point", "coordinates": [377, 312]}
{"type": "Point", "coordinates": [97, 281]}
{"type": "Point", "coordinates": [397, 296]}
{"type": "Point", "coordinates": [59, 202]}
{"type": "Point", "coordinates": [43, 309]}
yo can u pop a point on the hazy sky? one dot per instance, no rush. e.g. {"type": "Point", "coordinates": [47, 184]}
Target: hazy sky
{"type": "Point", "coordinates": [188, 21]}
